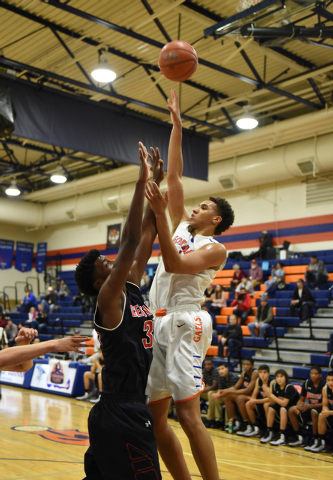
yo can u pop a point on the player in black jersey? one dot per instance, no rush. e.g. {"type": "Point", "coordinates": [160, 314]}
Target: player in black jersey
{"type": "Point", "coordinates": [306, 412]}
{"type": "Point", "coordinates": [237, 396]}
{"type": "Point", "coordinates": [281, 395]}
{"type": "Point", "coordinates": [255, 406]}
{"type": "Point", "coordinates": [326, 416]}
{"type": "Point", "coordinates": [122, 442]}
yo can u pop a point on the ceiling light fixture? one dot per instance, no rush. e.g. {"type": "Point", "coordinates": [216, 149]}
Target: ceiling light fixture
{"type": "Point", "coordinates": [13, 191]}
{"type": "Point", "coordinates": [247, 121]}
{"type": "Point", "coordinates": [58, 176]}
{"type": "Point", "coordinates": [102, 72]}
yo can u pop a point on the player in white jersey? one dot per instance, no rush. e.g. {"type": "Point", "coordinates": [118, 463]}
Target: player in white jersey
{"type": "Point", "coordinates": [182, 331]}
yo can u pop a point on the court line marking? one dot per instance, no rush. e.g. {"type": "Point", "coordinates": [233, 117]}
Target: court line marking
{"type": "Point", "coordinates": [41, 460]}
{"type": "Point", "coordinates": [44, 475]}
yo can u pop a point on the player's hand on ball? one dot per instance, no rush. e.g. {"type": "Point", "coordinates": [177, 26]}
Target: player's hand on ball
{"type": "Point", "coordinates": [157, 201]}
{"type": "Point", "coordinates": [173, 108]}
{"type": "Point", "coordinates": [71, 344]}
{"type": "Point", "coordinates": [157, 165]}
{"type": "Point", "coordinates": [25, 336]}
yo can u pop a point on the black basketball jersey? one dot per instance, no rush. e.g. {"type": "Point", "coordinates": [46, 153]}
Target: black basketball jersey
{"type": "Point", "coordinates": [261, 393]}
{"type": "Point", "coordinates": [289, 391]}
{"type": "Point", "coordinates": [309, 391]}
{"type": "Point", "coordinates": [330, 397]}
{"type": "Point", "coordinates": [127, 349]}
{"type": "Point", "coordinates": [247, 378]}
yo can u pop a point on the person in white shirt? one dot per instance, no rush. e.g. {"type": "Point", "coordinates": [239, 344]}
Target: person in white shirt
{"type": "Point", "coordinates": [245, 283]}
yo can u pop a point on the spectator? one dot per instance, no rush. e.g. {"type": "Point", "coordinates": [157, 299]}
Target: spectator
{"type": "Point", "coordinates": [19, 326]}
{"type": "Point", "coordinates": [3, 321]}
{"type": "Point", "coordinates": [232, 336]}
{"type": "Point", "coordinates": [265, 242]}
{"type": "Point", "coordinates": [236, 397]}
{"type": "Point", "coordinates": [308, 412]}
{"type": "Point", "coordinates": [247, 284]}
{"type": "Point", "coordinates": [208, 295]}
{"type": "Point", "coordinates": [64, 290]}
{"type": "Point", "coordinates": [50, 302]}
{"type": "Point", "coordinates": [255, 273]}
{"type": "Point", "coordinates": [282, 395]}
{"type": "Point", "coordinates": [316, 273]}
{"type": "Point", "coordinates": [3, 339]}
{"type": "Point", "coordinates": [210, 376]}
{"type": "Point", "coordinates": [238, 275]}
{"type": "Point", "coordinates": [303, 300]}
{"type": "Point", "coordinates": [95, 375]}
{"type": "Point", "coordinates": [11, 332]}
{"type": "Point", "coordinates": [226, 379]}
{"type": "Point", "coordinates": [277, 274]}
{"type": "Point", "coordinates": [326, 415]}
{"type": "Point", "coordinates": [28, 301]}
{"type": "Point", "coordinates": [263, 320]}
{"type": "Point", "coordinates": [32, 322]}
{"type": "Point", "coordinates": [42, 319]}
{"type": "Point", "coordinates": [255, 406]}
{"type": "Point", "coordinates": [218, 300]}
{"type": "Point", "coordinates": [243, 306]}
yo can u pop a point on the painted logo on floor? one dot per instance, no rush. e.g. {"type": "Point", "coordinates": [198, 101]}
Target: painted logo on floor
{"type": "Point", "coordinates": [70, 437]}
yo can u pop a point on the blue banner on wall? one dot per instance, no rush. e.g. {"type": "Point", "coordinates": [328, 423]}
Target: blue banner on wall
{"type": "Point", "coordinates": [41, 257]}
{"type": "Point", "coordinates": [24, 255]}
{"type": "Point", "coordinates": [6, 253]}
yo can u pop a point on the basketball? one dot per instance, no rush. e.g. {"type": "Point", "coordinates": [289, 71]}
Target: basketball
{"type": "Point", "coordinates": [178, 61]}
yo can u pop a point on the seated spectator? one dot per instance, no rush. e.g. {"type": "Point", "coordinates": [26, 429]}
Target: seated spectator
{"type": "Point", "coordinates": [326, 415]}
{"type": "Point", "coordinates": [306, 412]}
{"type": "Point", "coordinates": [11, 332]}
{"type": "Point", "coordinates": [303, 300]}
{"type": "Point", "coordinates": [238, 275]}
{"type": "Point", "coordinates": [255, 273]}
{"type": "Point", "coordinates": [50, 302]}
{"type": "Point", "coordinates": [19, 326]}
{"type": "Point", "coordinates": [263, 320]}
{"type": "Point", "coordinates": [64, 290]}
{"type": "Point", "coordinates": [245, 284]}
{"type": "Point", "coordinates": [282, 395]}
{"type": "Point", "coordinates": [32, 322]}
{"type": "Point", "coordinates": [316, 273]}
{"type": "Point", "coordinates": [265, 242]}
{"type": "Point", "coordinates": [28, 301]}
{"type": "Point", "coordinates": [255, 406]}
{"type": "Point", "coordinates": [3, 321]}
{"type": "Point", "coordinates": [226, 379]}
{"type": "Point", "coordinates": [218, 300]}
{"type": "Point", "coordinates": [243, 306]}
{"type": "Point", "coordinates": [208, 295]}
{"type": "Point", "coordinates": [232, 336]}
{"type": "Point", "coordinates": [42, 319]}
{"type": "Point", "coordinates": [210, 376]}
{"type": "Point", "coordinates": [3, 339]}
{"type": "Point", "coordinates": [277, 274]}
{"type": "Point", "coordinates": [236, 397]}
{"type": "Point", "coordinates": [95, 375]}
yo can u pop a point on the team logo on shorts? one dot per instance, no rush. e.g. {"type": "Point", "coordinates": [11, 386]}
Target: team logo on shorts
{"type": "Point", "coordinates": [70, 437]}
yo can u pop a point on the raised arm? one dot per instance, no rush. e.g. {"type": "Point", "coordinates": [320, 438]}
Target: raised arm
{"type": "Point", "coordinates": [177, 210]}
{"type": "Point", "coordinates": [149, 229]}
{"type": "Point", "coordinates": [110, 299]}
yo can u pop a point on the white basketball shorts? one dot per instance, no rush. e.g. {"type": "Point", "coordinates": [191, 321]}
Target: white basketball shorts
{"type": "Point", "coordinates": [181, 340]}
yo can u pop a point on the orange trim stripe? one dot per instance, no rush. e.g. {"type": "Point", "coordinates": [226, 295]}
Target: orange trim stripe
{"type": "Point", "coordinates": [190, 398]}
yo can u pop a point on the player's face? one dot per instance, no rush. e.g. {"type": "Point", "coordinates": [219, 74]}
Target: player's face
{"type": "Point", "coordinates": [315, 376]}
{"type": "Point", "coordinates": [247, 366]}
{"type": "Point", "coordinates": [103, 267]}
{"type": "Point", "coordinates": [280, 379]}
{"type": "Point", "coordinates": [263, 374]}
{"type": "Point", "coordinates": [204, 215]}
{"type": "Point", "coordinates": [223, 371]}
{"type": "Point", "coordinates": [208, 366]}
{"type": "Point", "coordinates": [329, 381]}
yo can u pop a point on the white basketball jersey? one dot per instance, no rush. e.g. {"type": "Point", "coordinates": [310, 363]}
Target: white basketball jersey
{"type": "Point", "coordinates": [171, 290]}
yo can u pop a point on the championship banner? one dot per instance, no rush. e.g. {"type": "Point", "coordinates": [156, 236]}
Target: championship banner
{"type": "Point", "coordinates": [58, 372]}
{"type": "Point", "coordinates": [24, 256]}
{"type": "Point", "coordinates": [41, 257]}
{"type": "Point", "coordinates": [6, 254]}
{"type": "Point", "coordinates": [113, 238]}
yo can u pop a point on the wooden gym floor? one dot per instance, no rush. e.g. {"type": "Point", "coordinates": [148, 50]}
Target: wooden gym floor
{"type": "Point", "coordinates": [37, 432]}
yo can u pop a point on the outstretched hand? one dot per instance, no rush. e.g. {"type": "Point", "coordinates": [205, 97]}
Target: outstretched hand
{"type": "Point", "coordinates": [71, 344]}
{"type": "Point", "coordinates": [154, 196]}
{"type": "Point", "coordinates": [157, 165]}
{"type": "Point", "coordinates": [145, 165]}
{"type": "Point", "coordinates": [25, 336]}
{"type": "Point", "coordinates": [173, 108]}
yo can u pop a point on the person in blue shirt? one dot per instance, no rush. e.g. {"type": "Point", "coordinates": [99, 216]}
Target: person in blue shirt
{"type": "Point", "coordinates": [28, 301]}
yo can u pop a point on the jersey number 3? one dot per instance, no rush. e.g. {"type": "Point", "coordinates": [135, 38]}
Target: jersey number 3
{"type": "Point", "coordinates": [148, 328]}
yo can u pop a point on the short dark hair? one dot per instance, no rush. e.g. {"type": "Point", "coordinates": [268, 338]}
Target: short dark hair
{"type": "Point", "coordinates": [249, 359]}
{"type": "Point", "coordinates": [84, 275]}
{"type": "Point", "coordinates": [263, 367]}
{"type": "Point", "coordinates": [313, 256]}
{"type": "Point", "coordinates": [316, 367]}
{"type": "Point", "coordinates": [281, 371]}
{"type": "Point", "coordinates": [330, 374]}
{"type": "Point", "coordinates": [224, 209]}
{"type": "Point", "coordinates": [300, 280]}
{"type": "Point", "coordinates": [209, 360]}
{"type": "Point", "coordinates": [223, 364]}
